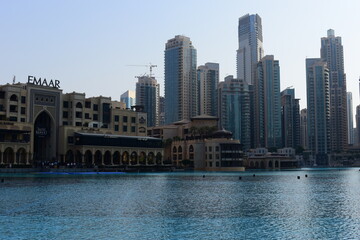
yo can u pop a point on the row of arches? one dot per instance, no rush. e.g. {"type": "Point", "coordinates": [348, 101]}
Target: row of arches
{"type": "Point", "coordinates": [112, 159]}
{"type": "Point", "coordinates": [262, 164]}
{"type": "Point", "coordinates": [10, 156]}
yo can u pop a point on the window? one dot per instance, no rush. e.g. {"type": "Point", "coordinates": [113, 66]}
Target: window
{"type": "Point", "coordinates": [205, 149]}
{"type": "Point", "coordinates": [79, 105]}
{"type": "Point", "coordinates": [95, 107]}
{"type": "Point", "coordinates": [125, 119]}
{"type": "Point", "coordinates": [116, 118]}
{"type": "Point", "coordinates": [217, 164]}
{"type": "Point", "coordinates": [210, 149]}
{"type": "Point", "coordinates": [87, 104]}
{"type": "Point", "coordinates": [116, 128]}
{"type": "Point", "coordinates": [65, 114]}
{"type": "Point", "coordinates": [210, 156]}
{"type": "Point", "coordinates": [70, 139]}
{"type": "Point", "coordinates": [22, 110]}
{"type": "Point", "coordinates": [22, 119]}
{"type": "Point", "coordinates": [13, 119]}
{"type": "Point", "coordinates": [95, 117]}
{"type": "Point", "coordinates": [210, 164]}
{"type": "Point", "coordinates": [1, 107]}
{"type": "Point", "coordinates": [133, 120]}
{"type": "Point", "coordinates": [65, 104]}
{"type": "Point", "coordinates": [124, 128]}
{"type": "Point", "coordinates": [133, 129]}
{"type": "Point", "coordinates": [78, 114]}
{"type": "Point", "coordinates": [217, 156]}
{"type": "Point", "coordinates": [2, 94]}
{"type": "Point", "coordinates": [23, 99]}
{"type": "Point", "coordinates": [78, 124]}
{"type": "Point", "coordinates": [217, 148]}
{"type": "Point", "coordinates": [65, 123]}
{"type": "Point", "coordinates": [87, 116]}
{"type": "Point", "coordinates": [13, 108]}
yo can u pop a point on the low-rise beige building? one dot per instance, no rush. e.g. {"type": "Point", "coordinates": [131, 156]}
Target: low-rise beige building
{"type": "Point", "coordinates": [40, 125]}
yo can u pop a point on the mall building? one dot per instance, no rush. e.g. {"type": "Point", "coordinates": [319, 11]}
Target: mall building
{"type": "Point", "coordinates": [40, 125]}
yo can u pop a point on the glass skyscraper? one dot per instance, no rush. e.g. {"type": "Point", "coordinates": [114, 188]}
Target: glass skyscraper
{"type": "Point", "coordinates": [147, 95]}
{"type": "Point", "coordinates": [318, 109]}
{"type": "Point", "coordinates": [250, 47]}
{"type": "Point", "coordinates": [290, 113]}
{"type": "Point", "coordinates": [332, 54]}
{"type": "Point", "coordinates": [267, 108]}
{"type": "Point", "coordinates": [181, 86]}
{"type": "Point", "coordinates": [234, 108]}
{"type": "Point", "coordinates": [208, 78]}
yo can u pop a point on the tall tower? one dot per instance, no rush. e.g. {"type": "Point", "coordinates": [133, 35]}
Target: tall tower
{"type": "Point", "coordinates": [318, 109]}
{"type": "Point", "coordinates": [181, 87]}
{"type": "Point", "coordinates": [234, 108]}
{"type": "Point", "coordinates": [332, 53]}
{"type": "Point", "coordinates": [303, 128]}
{"type": "Point", "coordinates": [290, 114]}
{"type": "Point", "coordinates": [147, 95]}
{"type": "Point", "coordinates": [250, 47]}
{"type": "Point", "coordinates": [128, 98]}
{"type": "Point", "coordinates": [208, 78]}
{"type": "Point", "coordinates": [267, 108]}
{"type": "Point", "coordinates": [350, 121]}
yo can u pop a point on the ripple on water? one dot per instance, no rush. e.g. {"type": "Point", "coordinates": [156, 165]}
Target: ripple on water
{"type": "Point", "coordinates": [273, 205]}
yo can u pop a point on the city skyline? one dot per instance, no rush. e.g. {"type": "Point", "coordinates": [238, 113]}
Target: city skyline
{"type": "Point", "coordinates": [82, 46]}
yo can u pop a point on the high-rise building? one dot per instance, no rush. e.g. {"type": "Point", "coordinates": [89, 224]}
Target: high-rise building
{"type": "Point", "coordinates": [161, 111]}
{"type": "Point", "coordinates": [181, 87]}
{"type": "Point", "coordinates": [332, 54]}
{"type": "Point", "coordinates": [357, 117]}
{"type": "Point", "coordinates": [350, 119]}
{"type": "Point", "coordinates": [128, 98]}
{"type": "Point", "coordinates": [303, 128]}
{"type": "Point", "coordinates": [234, 108]}
{"type": "Point", "coordinates": [208, 78]}
{"type": "Point", "coordinates": [147, 95]}
{"type": "Point", "coordinates": [318, 109]}
{"type": "Point", "coordinates": [290, 113]}
{"type": "Point", "coordinates": [267, 108]}
{"type": "Point", "coordinates": [250, 47]}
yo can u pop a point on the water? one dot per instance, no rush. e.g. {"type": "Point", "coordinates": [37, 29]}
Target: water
{"type": "Point", "coordinates": [271, 205]}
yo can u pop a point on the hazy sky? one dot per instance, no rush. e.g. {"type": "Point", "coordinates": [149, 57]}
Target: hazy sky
{"type": "Point", "coordinates": [87, 45]}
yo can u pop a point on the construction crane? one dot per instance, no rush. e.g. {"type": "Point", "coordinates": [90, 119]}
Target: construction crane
{"type": "Point", "coordinates": [151, 66]}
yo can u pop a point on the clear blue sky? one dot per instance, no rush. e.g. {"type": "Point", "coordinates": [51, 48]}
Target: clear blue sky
{"type": "Point", "coordinates": [87, 45]}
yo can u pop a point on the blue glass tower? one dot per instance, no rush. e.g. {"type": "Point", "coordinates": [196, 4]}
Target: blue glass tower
{"type": "Point", "coordinates": [267, 107]}
{"type": "Point", "coordinates": [318, 109]}
{"type": "Point", "coordinates": [181, 86]}
{"type": "Point", "coordinates": [234, 108]}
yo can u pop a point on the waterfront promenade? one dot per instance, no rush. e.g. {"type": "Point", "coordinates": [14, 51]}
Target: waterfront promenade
{"type": "Point", "coordinates": [184, 205]}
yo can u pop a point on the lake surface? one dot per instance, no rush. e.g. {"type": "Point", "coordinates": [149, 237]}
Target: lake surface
{"type": "Point", "coordinates": [271, 205]}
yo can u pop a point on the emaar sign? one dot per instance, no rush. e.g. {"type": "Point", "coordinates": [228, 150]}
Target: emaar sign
{"type": "Point", "coordinates": [44, 82]}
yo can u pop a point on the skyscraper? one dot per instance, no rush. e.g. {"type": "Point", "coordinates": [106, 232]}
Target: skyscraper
{"type": "Point", "coordinates": [181, 87]}
{"type": "Point", "coordinates": [290, 114]}
{"type": "Point", "coordinates": [318, 109]}
{"type": "Point", "coordinates": [208, 78]}
{"type": "Point", "coordinates": [350, 116]}
{"type": "Point", "coordinates": [147, 95]}
{"type": "Point", "coordinates": [234, 108]}
{"type": "Point", "coordinates": [250, 47]}
{"type": "Point", "coordinates": [303, 128]}
{"type": "Point", "coordinates": [128, 98]}
{"type": "Point", "coordinates": [332, 53]}
{"type": "Point", "coordinates": [267, 108]}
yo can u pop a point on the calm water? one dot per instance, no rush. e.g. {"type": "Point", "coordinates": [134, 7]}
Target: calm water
{"type": "Point", "coordinates": [271, 205]}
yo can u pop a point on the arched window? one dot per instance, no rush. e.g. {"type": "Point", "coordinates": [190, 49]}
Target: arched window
{"type": "Point", "coordinates": [79, 105]}
{"type": "Point", "coordinates": [13, 97]}
{"type": "Point", "coordinates": [174, 149]}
